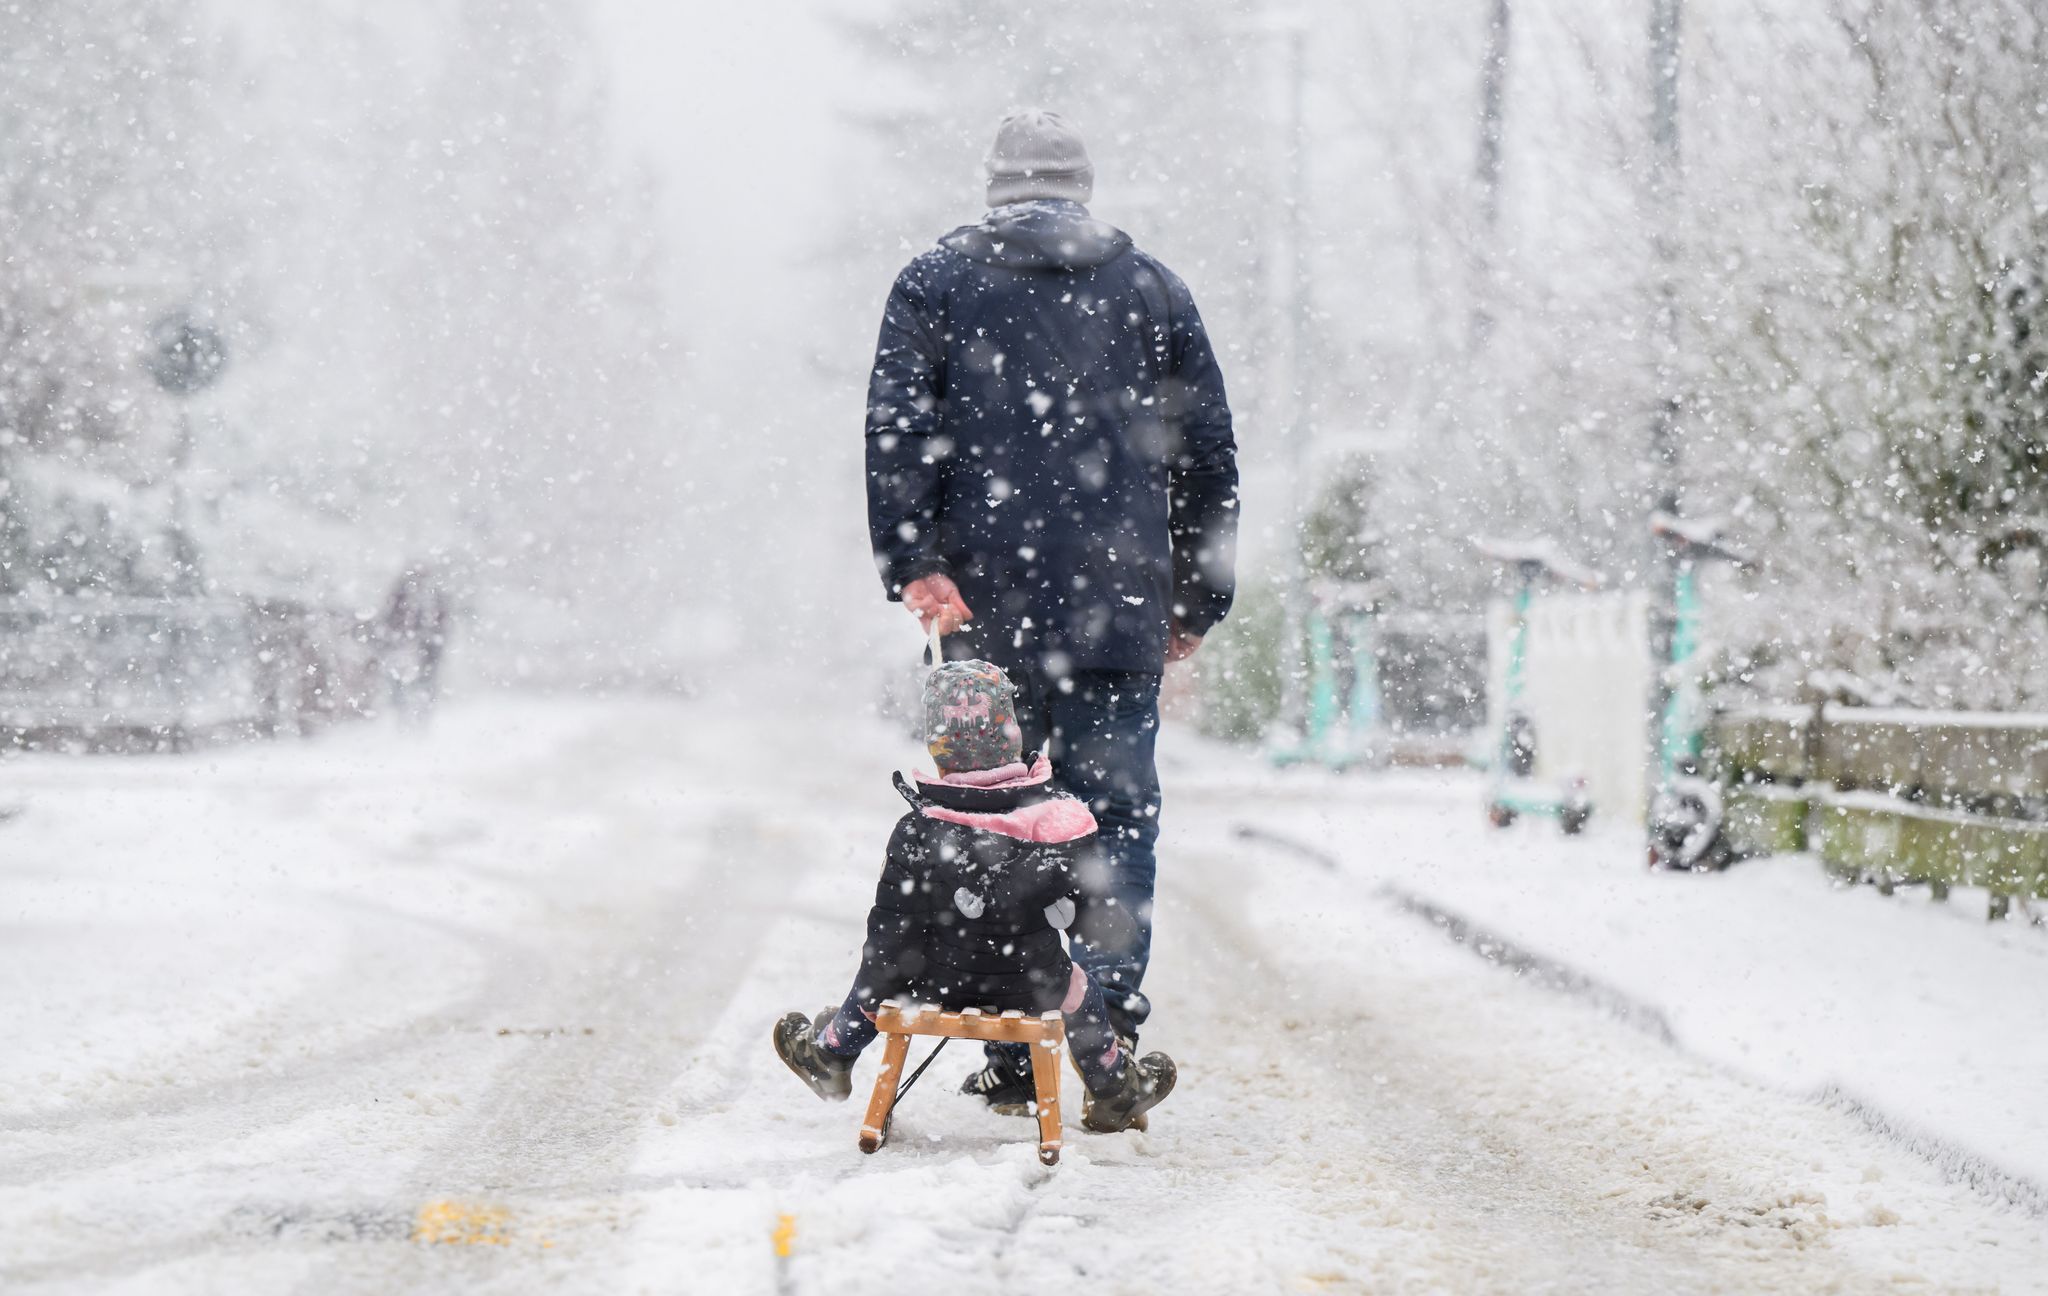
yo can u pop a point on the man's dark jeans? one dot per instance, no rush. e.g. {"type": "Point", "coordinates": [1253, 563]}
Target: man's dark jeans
{"type": "Point", "coordinates": [1103, 727]}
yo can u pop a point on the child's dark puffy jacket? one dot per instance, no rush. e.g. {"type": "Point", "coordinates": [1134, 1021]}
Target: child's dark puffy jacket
{"type": "Point", "coordinates": [982, 874]}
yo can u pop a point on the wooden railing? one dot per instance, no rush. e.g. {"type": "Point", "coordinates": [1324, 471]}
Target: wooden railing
{"type": "Point", "coordinates": [1941, 797]}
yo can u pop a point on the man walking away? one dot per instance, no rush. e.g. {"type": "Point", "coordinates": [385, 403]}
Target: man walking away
{"type": "Point", "coordinates": [1052, 479]}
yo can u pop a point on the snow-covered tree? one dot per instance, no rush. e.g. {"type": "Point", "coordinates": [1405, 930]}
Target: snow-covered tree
{"type": "Point", "coordinates": [436, 281]}
{"type": "Point", "coordinates": [120, 196]}
{"type": "Point", "coordinates": [1870, 371]}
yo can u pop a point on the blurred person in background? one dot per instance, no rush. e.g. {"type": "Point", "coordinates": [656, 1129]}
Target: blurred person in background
{"type": "Point", "coordinates": [415, 626]}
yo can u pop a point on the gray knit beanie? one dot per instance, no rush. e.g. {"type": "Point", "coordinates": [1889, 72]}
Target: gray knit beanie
{"type": "Point", "coordinates": [1037, 155]}
{"type": "Point", "coordinates": [970, 717]}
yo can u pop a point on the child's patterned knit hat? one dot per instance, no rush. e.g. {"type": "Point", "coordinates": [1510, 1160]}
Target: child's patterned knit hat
{"type": "Point", "coordinates": [970, 717]}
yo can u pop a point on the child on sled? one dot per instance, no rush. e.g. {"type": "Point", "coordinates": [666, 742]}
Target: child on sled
{"type": "Point", "coordinates": [981, 879]}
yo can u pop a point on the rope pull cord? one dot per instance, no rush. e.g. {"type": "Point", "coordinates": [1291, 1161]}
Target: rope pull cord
{"type": "Point", "coordinates": [943, 1041]}
{"type": "Point", "coordinates": [937, 650]}
{"type": "Point", "coordinates": [938, 656]}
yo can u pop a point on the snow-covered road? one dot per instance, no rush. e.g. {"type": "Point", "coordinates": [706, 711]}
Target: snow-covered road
{"type": "Point", "coordinates": [488, 1011]}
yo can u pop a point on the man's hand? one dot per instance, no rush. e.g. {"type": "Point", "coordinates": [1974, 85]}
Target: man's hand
{"type": "Point", "coordinates": [936, 597]}
{"type": "Point", "coordinates": [1180, 645]}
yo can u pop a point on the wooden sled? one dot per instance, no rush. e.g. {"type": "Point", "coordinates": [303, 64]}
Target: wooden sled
{"type": "Point", "coordinates": [1046, 1034]}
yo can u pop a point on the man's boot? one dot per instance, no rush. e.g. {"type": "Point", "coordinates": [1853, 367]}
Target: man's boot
{"type": "Point", "coordinates": [1005, 1082]}
{"type": "Point", "coordinates": [1146, 1082]}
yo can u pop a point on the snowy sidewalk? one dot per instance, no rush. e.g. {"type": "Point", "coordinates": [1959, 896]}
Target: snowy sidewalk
{"type": "Point", "coordinates": [1915, 1015]}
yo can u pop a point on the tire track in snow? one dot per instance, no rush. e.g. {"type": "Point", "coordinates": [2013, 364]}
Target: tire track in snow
{"type": "Point", "coordinates": [1484, 1190]}
{"type": "Point", "coordinates": [1957, 1164]}
{"type": "Point", "coordinates": [557, 1116]}
{"type": "Point", "coordinates": [561, 1120]}
{"type": "Point", "coordinates": [1280, 1161]}
{"type": "Point", "coordinates": [571, 1106]}
{"type": "Point", "coordinates": [1536, 969]}
{"type": "Point", "coordinates": [155, 1118]}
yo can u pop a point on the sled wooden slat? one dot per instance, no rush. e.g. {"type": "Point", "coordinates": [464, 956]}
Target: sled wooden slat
{"type": "Point", "coordinates": [1046, 1035]}
{"type": "Point", "coordinates": [971, 1024]}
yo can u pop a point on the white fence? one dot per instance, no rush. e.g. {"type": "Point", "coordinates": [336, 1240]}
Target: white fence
{"type": "Point", "coordinates": [1586, 689]}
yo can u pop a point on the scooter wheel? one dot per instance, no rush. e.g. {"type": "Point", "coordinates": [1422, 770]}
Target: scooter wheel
{"type": "Point", "coordinates": [1573, 821]}
{"type": "Point", "coordinates": [1521, 746]}
{"type": "Point", "coordinates": [1500, 816]}
{"type": "Point", "coordinates": [1717, 856]}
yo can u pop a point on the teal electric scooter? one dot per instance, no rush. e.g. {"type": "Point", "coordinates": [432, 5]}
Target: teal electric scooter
{"type": "Point", "coordinates": [1344, 704]}
{"type": "Point", "coordinates": [1512, 789]}
{"type": "Point", "coordinates": [1688, 811]}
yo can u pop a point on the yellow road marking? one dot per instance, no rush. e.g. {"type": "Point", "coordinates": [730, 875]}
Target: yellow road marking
{"type": "Point", "coordinates": [784, 1235]}
{"type": "Point", "coordinates": [448, 1222]}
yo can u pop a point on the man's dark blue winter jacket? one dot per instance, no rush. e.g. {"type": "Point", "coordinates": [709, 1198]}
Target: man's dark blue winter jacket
{"type": "Point", "coordinates": [1047, 425]}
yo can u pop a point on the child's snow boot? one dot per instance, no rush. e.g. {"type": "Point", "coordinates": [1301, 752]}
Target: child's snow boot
{"type": "Point", "coordinates": [796, 1043]}
{"type": "Point", "coordinates": [1146, 1082]}
{"type": "Point", "coordinates": [1005, 1083]}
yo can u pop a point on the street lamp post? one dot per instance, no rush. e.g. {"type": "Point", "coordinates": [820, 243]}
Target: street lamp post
{"type": "Point", "coordinates": [184, 358]}
{"type": "Point", "coordinates": [1664, 184]}
{"type": "Point", "coordinates": [1297, 377]}
{"type": "Point", "coordinates": [1663, 466]}
{"type": "Point", "coordinates": [1492, 128]}
{"type": "Point", "coordinates": [1301, 374]}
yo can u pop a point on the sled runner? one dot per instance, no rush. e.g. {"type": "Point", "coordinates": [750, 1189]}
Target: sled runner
{"type": "Point", "coordinates": [1046, 1034]}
